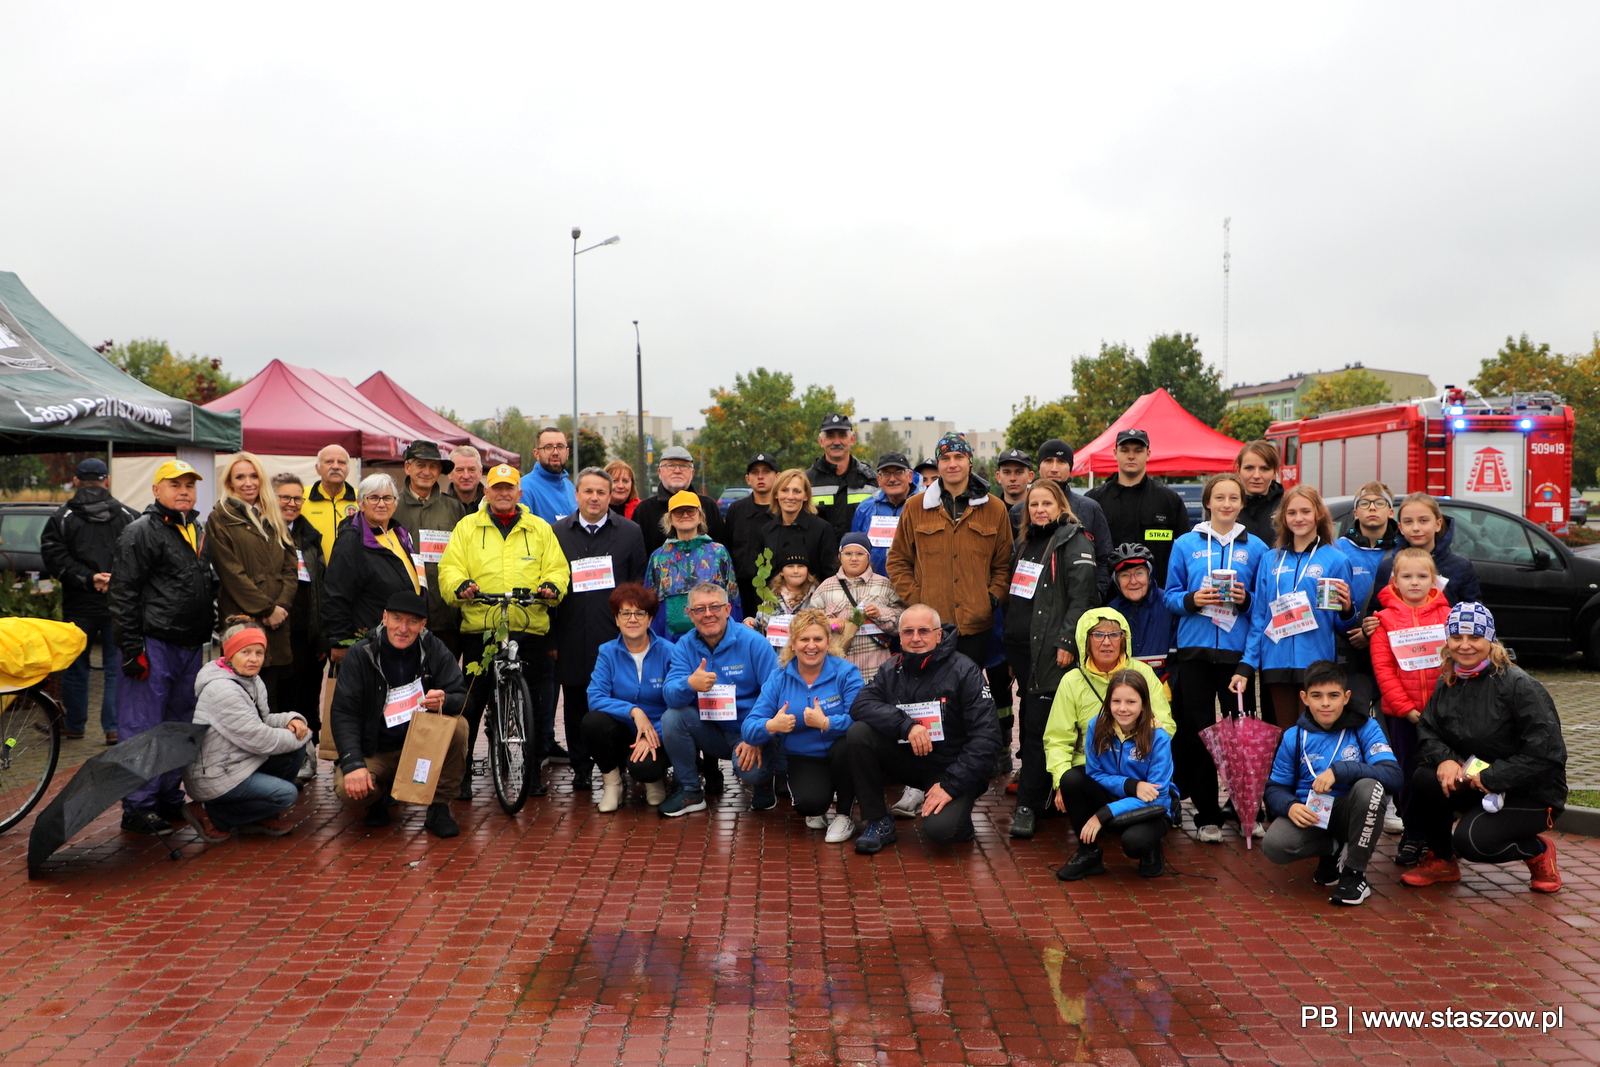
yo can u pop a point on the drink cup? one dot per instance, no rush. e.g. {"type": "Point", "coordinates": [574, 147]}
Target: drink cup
{"type": "Point", "coordinates": [1222, 581]}
{"type": "Point", "coordinates": [1328, 594]}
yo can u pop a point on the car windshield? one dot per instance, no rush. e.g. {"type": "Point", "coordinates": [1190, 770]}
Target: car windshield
{"type": "Point", "coordinates": [21, 533]}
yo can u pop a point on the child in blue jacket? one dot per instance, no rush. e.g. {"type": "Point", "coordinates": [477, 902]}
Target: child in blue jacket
{"type": "Point", "coordinates": [1127, 771]}
{"type": "Point", "coordinates": [1331, 779]}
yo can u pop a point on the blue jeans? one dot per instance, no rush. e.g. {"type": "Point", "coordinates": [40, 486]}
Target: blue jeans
{"type": "Point", "coordinates": [684, 733]}
{"type": "Point", "coordinates": [75, 680]}
{"type": "Point", "coordinates": [265, 793]}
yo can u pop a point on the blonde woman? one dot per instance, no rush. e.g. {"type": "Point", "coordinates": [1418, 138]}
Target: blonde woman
{"type": "Point", "coordinates": [796, 529]}
{"type": "Point", "coordinates": [257, 569]}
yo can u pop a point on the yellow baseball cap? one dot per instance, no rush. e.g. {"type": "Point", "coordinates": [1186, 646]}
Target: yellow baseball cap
{"type": "Point", "coordinates": [683, 499]}
{"type": "Point", "coordinates": [504, 474]}
{"type": "Point", "coordinates": [174, 468]}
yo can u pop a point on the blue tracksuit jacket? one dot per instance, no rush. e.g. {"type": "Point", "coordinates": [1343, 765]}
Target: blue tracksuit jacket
{"type": "Point", "coordinates": [835, 690]}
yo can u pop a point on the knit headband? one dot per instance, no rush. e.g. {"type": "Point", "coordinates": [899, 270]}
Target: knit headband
{"type": "Point", "coordinates": [243, 639]}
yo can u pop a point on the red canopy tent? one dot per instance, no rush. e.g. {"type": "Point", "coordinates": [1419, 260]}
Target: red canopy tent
{"type": "Point", "coordinates": [382, 391]}
{"type": "Point", "coordinates": [1179, 442]}
{"type": "Point", "coordinates": [297, 411]}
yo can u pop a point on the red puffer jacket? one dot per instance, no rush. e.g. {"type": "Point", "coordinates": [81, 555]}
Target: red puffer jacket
{"type": "Point", "coordinates": [1405, 691]}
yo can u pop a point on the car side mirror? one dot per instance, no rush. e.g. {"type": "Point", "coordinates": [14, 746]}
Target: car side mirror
{"type": "Point", "coordinates": [1541, 560]}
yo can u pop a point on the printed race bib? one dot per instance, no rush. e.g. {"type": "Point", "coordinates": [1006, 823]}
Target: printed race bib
{"type": "Point", "coordinates": [778, 630]}
{"type": "Point", "coordinates": [1417, 649]}
{"type": "Point", "coordinates": [928, 713]}
{"type": "Point", "coordinates": [881, 530]}
{"type": "Point", "coordinates": [300, 566]}
{"type": "Point", "coordinates": [432, 543]}
{"type": "Point", "coordinates": [1291, 614]}
{"type": "Point", "coordinates": [717, 704]}
{"type": "Point", "coordinates": [401, 703]}
{"type": "Point", "coordinates": [869, 628]}
{"type": "Point", "coordinates": [591, 573]}
{"type": "Point", "coordinates": [422, 571]}
{"type": "Point", "coordinates": [1026, 579]}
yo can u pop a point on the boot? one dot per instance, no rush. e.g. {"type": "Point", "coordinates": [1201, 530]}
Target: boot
{"type": "Point", "coordinates": [1151, 864]}
{"type": "Point", "coordinates": [655, 793]}
{"type": "Point", "coordinates": [440, 823]}
{"type": "Point", "coordinates": [1089, 860]}
{"type": "Point", "coordinates": [611, 791]}
{"type": "Point", "coordinates": [1023, 822]}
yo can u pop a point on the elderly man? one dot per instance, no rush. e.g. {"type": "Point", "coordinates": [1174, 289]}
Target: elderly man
{"type": "Point", "coordinates": [333, 499]}
{"type": "Point", "coordinates": [397, 671]}
{"type": "Point", "coordinates": [547, 490]}
{"type": "Point", "coordinates": [675, 474]}
{"type": "Point", "coordinates": [1138, 508]}
{"type": "Point", "coordinates": [466, 476]}
{"type": "Point", "coordinates": [1055, 463]}
{"type": "Point", "coordinates": [744, 521]}
{"type": "Point", "coordinates": [713, 681]}
{"type": "Point", "coordinates": [879, 515]}
{"type": "Point", "coordinates": [925, 719]}
{"type": "Point", "coordinates": [429, 514]}
{"type": "Point", "coordinates": [840, 483]}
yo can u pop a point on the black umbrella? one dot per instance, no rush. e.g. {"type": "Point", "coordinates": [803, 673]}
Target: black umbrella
{"type": "Point", "coordinates": [107, 778]}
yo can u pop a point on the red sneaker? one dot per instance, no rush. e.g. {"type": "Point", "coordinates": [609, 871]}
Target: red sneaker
{"type": "Point", "coordinates": [1546, 879]}
{"type": "Point", "coordinates": [1432, 869]}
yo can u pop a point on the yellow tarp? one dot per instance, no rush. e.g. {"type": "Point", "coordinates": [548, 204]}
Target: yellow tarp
{"type": "Point", "coordinates": [31, 649]}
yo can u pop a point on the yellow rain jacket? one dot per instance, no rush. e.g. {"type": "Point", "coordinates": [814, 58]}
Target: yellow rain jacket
{"type": "Point", "coordinates": [33, 649]}
{"type": "Point", "coordinates": [523, 559]}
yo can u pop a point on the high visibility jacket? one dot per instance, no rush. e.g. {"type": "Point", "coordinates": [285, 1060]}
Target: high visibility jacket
{"type": "Point", "coordinates": [524, 558]}
{"type": "Point", "coordinates": [326, 514]}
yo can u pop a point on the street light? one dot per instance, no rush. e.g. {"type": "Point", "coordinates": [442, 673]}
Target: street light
{"type": "Point", "coordinates": [576, 252]}
{"type": "Point", "coordinates": [638, 366]}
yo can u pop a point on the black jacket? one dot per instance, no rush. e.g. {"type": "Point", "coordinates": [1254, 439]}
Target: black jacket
{"type": "Point", "coordinates": [79, 542]}
{"type": "Point", "coordinates": [1506, 719]}
{"type": "Point", "coordinates": [971, 730]}
{"type": "Point", "coordinates": [1259, 508]}
{"type": "Point", "coordinates": [361, 577]}
{"type": "Point", "coordinates": [1093, 520]}
{"type": "Point", "coordinates": [1462, 575]}
{"type": "Point", "coordinates": [652, 509]}
{"type": "Point", "coordinates": [811, 536]}
{"type": "Point", "coordinates": [1148, 513]}
{"type": "Point", "coordinates": [1066, 589]}
{"type": "Point", "coordinates": [305, 618]}
{"type": "Point", "coordinates": [584, 621]}
{"type": "Point", "coordinates": [837, 496]}
{"type": "Point", "coordinates": [160, 586]}
{"type": "Point", "coordinates": [356, 716]}
{"type": "Point", "coordinates": [743, 527]}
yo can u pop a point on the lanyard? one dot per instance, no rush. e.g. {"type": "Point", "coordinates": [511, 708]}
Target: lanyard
{"type": "Point", "coordinates": [1277, 577]}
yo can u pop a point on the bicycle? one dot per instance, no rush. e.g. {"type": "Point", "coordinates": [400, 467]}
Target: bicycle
{"type": "Point", "coordinates": [30, 745]}
{"type": "Point", "coordinates": [513, 734]}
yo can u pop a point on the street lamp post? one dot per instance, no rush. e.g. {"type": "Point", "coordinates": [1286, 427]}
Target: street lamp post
{"type": "Point", "coordinates": [638, 366]}
{"type": "Point", "coordinates": [576, 252]}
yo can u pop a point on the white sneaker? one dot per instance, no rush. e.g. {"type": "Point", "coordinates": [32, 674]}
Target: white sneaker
{"type": "Point", "coordinates": [655, 793]}
{"type": "Point", "coordinates": [1260, 831]}
{"type": "Point", "coordinates": [909, 805]}
{"type": "Point", "coordinates": [1392, 823]}
{"type": "Point", "coordinates": [1210, 834]}
{"type": "Point", "coordinates": [816, 822]}
{"type": "Point", "coordinates": [841, 829]}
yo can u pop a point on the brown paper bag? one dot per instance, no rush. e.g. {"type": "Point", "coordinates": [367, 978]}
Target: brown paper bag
{"type": "Point", "coordinates": [428, 738]}
{"type": "Point", "coordinates": [325, 746]}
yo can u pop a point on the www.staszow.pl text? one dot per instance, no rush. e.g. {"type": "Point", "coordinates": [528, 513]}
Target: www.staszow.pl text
{"type": "Point", "coordinates": [1330, 1017]}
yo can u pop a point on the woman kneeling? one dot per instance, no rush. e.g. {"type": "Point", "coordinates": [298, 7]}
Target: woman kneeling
{"type": "Point", "coordinates": [621, 728]}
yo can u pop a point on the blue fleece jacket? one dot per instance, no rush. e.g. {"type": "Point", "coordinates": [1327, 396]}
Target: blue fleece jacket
{"type": "Point", "coordinates": [547, 495]}
{"type": "Point", "coordinates": [742, 659]}
{"type": "Point", "coordinates": [835, 690]}
{"type": "Point", "coordinates": [1194, 557]}
{"type": "Point", "coordinates": [1281, 572]}
{"type": "Point", "coordinates": [1117, 771]}
{"type": "Point", "coordinates": [617, 685]}
{"type": "Point", "coordinates": [1354, 747]}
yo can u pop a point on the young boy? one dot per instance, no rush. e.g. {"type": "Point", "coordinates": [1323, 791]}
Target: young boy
{"type": "Point", "coordinates": [1330, 780]}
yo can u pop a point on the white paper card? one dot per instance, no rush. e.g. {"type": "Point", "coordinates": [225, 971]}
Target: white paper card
{"type": "Point", "coordinates": [880, 531]}
{"type": "Point", "coordinates": [402, 702]}
{"type": "Point", "coordinates": [930, 714]}
{"type": "Point", "coordinates": [591, 573]}
{"type": "Point", "coordinates": [419, 773]}
{"type": "Point", "coordinates": [717, 704]}
{"type": "Point", "coordinates": [1026, 579]}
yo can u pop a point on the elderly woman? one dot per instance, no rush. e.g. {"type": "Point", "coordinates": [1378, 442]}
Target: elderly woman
{"type": "Point", "coordinates": [256, 563]}
{"type": "Point", "coordinates": [372, 559]}
{"type": "Point", "coordinates": [244, 776]}
{"type": "Point", "coordinates": [624, 488]}
{"type": "Point", "coordinates": [1489, 746]}
{"type": "Point", "coordinates": [688, 558]}
{"type": "Point", "coordinates": [795, 528]}
{"type": "Point", "coordinates": [857, 588]}
{"type": "Point", "coordinates": [806, 702]}
{"type": "Point", "coordinates": [623, 724]}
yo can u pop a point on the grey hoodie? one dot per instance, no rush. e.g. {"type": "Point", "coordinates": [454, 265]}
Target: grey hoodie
{"type": "Point", "coordinates": [243, 732]}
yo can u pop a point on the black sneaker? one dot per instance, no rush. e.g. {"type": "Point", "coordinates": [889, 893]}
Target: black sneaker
{"type": "Point", "coordinates": [378, 814]}
{"type": "Point", "coordinates": [1410, 852]}
{"type": "Point", "coordinates": [556, 754]}
{"type": "Point", "coordinates": [1151, 864]}
{"type": "Point", "coordinates": [145, 822]}
{"type": "Point", "coordinates": [440, 823]}
{"type": "Point", "coordinates": [879, 832]}
{"type": "Point", "coordinates": [1352, 889]}
{"type": "Point", "coordinates": [763, 798]}
{"type": "Point", "coordinates": [1023, 822]}
{"type": "Point", "coordinates": [1327, 872]}
{"type": "Point", "coordinates": [1088, 860]}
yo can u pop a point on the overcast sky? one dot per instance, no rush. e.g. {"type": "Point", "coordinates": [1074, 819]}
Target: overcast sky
{"type": "Point", "coordinates": [931, 207]}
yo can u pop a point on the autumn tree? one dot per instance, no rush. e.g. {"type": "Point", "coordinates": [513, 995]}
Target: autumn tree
{"type": "Point", "coordinates": [197, 379]}
{"type": "Point", "coordinates": [1245, 424]}
{"type": "Point", "coordinates": [1522, 366]}
{"type": "Point", "coordinates": [1352, 388]}
{"type": "Point", "coordinates": [1173, 362]}
{"type": "Point", "coordinates": [761, 413]}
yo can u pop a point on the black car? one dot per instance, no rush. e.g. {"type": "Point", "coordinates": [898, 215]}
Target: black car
{"type": "Point", "coordinates": [1190, 494]}
{"type": "Point", "coordinates": [1545, 598]}
{"type": "Point", "coordinates": [21, 527]}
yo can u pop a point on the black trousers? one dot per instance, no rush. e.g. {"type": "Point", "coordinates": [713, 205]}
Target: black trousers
{"type": "Point", "coordinates": [1512, 833]}
{"type": "Point", "coordinates": [302, 690]}
{"type": "Point", "coordinates": [814, 781]}
{"type": "Point", "coordinates": [1083, 796]}
{"type": "Point", "coordinates": [1200, 686]}
{"type": "Point", "coordinates": [609, 742]}
{"type": "Point", "coordinates": [875, 758]}
{"type": "Point", "coordinates": [1033, 790]}
{"type": "Point", "coordinates": [480, 687]}
{"type": "Point", "coordinates": [1000, 688]}
{"type": "Point", "coordinates": [574, 707]}
{"type": "Point", "coordinates": [974, 646]}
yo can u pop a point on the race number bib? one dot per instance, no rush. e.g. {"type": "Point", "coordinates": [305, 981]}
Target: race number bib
{"type": "Point", "coordinates": [929, 714]}
{"type": "Point", "coordinates": [717, 704]}
{"type": "Point", "coordinates": [881, 530]}
{"type": "Point", "coordinates": [300, 566]}
{"type": "Point", "coordinates": [432, 543]}
{"type": "Point", "coordinates": [869, 628]}
{"type": "Point", "coordinates": [1321, 805]}
{"type": "Point", "coordinates": [422, 571]}
{"type": "Point", "coordinates": [778, 630]}
{"type": "Point", "coordinates": [1417, 649]}
{"type": "Point", "coordinates": [1026, 579]}
{"type": "Point", "coordinates": [401, 703]}
{"type": "Point", "coordinates": [591, 573]}
{"type": "Point", "coordinates": [1291, 614]}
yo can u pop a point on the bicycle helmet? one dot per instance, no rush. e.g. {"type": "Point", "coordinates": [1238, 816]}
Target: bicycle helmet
{"type": "Point", "coordinates": [1131, 554]}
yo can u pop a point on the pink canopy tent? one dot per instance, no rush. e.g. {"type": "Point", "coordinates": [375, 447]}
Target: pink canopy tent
{"type": "Point", "coordinates": [1179, 442]}
{"type": "Point", "coordinates": [297, 411]}
{"type": "Point", "coordinates": [384, 392]}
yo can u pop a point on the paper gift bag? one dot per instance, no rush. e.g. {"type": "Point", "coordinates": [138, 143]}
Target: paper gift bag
{"type": "Point", "coordinates": [325, 746]}
{"type": "Point", "coordinates": [428, 738]}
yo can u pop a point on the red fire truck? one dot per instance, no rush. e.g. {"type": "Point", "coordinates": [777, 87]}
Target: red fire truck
{"type": "Point", "coordinates": [1514, 453]}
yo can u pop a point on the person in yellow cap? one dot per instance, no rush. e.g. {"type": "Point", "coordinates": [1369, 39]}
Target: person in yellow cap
{"type": "Point", "coordinates": [688, 558]}
{"type": "Point", "coordinates": [498, 548]}
{"type": "Point", "coordinates": [163, 603]}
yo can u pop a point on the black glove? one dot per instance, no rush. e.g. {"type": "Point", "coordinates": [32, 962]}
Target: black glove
{"type": "Point", "coordinates": [138, 667]}
{"type": "Point", "coordinates": [547, 591]}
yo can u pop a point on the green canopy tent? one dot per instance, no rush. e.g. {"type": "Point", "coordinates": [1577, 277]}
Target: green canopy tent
{"type": "Point", "coordinates": [59, 395]}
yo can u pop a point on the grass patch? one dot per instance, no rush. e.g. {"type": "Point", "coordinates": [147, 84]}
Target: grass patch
{"type": "Point", "coordinates": [1584, 798]}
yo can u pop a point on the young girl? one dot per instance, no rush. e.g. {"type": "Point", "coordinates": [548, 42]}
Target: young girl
{"type": "Point", "coordinates": [857, 588]}
{"type": "Point", "coordinates": [1288, 630]}
{"type": "Point", "coordinates": [1423, 525]}
{"type": "Point", "coordinates": [1405, 658]}
{"type": "Point", "coordinates": [1123, 747]}
{"type": "Point", "coordinates": [792, 585]}
{"type": "Point", "coordinates": [1212, 629]}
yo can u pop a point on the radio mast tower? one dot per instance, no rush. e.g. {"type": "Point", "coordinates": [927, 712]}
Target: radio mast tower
{"type": "Point", "coordinates": [1226, 257]}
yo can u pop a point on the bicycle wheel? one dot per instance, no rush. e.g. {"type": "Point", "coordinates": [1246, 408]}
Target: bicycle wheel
{"type": "Point", "coordinates": [30, 743]}
{"type": "Point", "coordinates": [510, 740]}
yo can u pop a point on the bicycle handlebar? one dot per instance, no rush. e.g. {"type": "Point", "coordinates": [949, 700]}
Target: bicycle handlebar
{"type": "Point", "coordinates": [523, 597]}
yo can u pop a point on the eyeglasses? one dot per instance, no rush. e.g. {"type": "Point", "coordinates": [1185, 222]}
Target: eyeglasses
{"type": "Point", "coordinates": [282, 499]}
{"type": "Point", "coordinates": [1372, 505]}
{"type": "Point", "coordinates": [675, 467]}
{"type": "Point", "coordinates": [707, 610]}
{"type": "Point", "coordinates": [376, 499]}
{"type": "Point", "coordinates": [551, 448]}
{"type": "Point", "coordinates": [626, 614]}
{"type": "Point", "coordinates": [917, 631]}
{"type": "Point", "coordinates": [1099, 636]}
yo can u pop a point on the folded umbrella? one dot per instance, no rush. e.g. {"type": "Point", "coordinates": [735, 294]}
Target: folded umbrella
{"type": "Point", "coordinates": [106, 778]}
{"type": "Point", "coordinates": [1242, 747]}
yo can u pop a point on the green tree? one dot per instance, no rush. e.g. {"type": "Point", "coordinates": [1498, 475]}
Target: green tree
{"type": "Point", "coordinates": [1246, 423]}
{"type": "Point", "coordinates": [198, 379]}
{"type": "Point", "coordinates": [1582, 391]}
{"type": "Point", "coordinates": [761, 413]}
{"type": "Point", "coordinates": [509, 429]}
{"type": "Point", "coordinates": [1106, 385]}
{"type": "Point", "coordinates": [1347, 389]}
{"type": "Point", "coordinates": [880, 439]}
{"type": "Point", "coordinates": [1173, 362]}
{"type": "Point", "coordinates": [1033, 423]}
{"type": "Point", "coordinates": [1522, 366]}
{"type": "Point", "coordinates": [592, 443]}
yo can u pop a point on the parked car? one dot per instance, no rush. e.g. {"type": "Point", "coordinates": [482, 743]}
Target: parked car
{"type": "Point", "coordinates": [21, 527]}
{"type": "Point", "coordinates": [1545, 597]}
{"type": "Point", "coordinates": [1578, 512]}
{"type": "Point", "coordinates": [726, 500]}
{"type": "Point", "coordinates": [1190, 492]}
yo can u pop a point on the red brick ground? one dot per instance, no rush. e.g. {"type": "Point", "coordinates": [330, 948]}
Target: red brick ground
{"type": "Point", "coordinates": [566, 936]}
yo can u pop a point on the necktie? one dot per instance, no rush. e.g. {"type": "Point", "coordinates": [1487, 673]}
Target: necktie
{"type": "Point", "coordinates": [592, 529]}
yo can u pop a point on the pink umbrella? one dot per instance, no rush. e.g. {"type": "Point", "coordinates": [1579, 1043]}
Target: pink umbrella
{"type": "Point", "coordinates": [1242, 748]}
